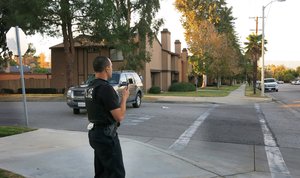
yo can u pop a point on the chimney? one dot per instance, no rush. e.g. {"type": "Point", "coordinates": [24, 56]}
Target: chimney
{"type": "Point", "coordinates": [185, 54]}
{"type": "Point", "coordinates": [177, 47]}
{"type": "Point", "coordinates": [166, 39]}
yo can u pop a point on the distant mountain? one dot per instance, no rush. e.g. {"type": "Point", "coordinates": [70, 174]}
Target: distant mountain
{"type": "Point", "coordinates": [288, 64]}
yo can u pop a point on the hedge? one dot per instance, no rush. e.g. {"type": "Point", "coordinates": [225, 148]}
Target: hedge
{"type": "Point", "coordinates": [182, 87]}
{"type": "Point", "coordinates": [154, 90]}
{"type": "Point", "coordinates": [38, 90]}
{"type": "Point", "coordinates": [6, 91]}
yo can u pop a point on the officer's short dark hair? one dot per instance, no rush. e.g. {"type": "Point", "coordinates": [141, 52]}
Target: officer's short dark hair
{"type": "Point", "coordinates": [100, 63]}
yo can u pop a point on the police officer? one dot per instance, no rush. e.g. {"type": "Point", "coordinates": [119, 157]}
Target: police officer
{"type": "Point", "coordinates": [105, 112]}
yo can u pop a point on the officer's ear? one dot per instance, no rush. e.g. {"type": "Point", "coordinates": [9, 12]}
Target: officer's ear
{"type": "Point", "coordinates": [107, 68]}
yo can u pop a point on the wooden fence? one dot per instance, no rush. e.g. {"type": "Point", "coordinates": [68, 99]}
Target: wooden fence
{"type": "Point", "coordinates": [29, 83]}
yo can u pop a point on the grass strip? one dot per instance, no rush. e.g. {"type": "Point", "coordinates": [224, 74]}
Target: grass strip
{"type": "Point", "coordinates": [32, 97]}
{"type": "Point", "coordinates": [8, 174]}
{"type": "Point", "coordinates": [12, 130]}
{"type": "Point", "coordinates": [7, 131]}
{"type": "Point", "coordinates": [249, 92]}
{"type": "Point", "coordinates": [224, 90]}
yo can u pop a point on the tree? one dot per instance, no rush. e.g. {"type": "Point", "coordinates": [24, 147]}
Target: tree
{"type": "Point", "coordinates": [16, 13]}
{"type": "Point", "coordinates": [298, 70]}
{"type": "Point", "coordinates": [112, 21]}
{"type": "Point", "coordinates": [210, 36]}
{"type": "Point", "coordinates": [29, 57]}
{"type": "Point", "coordinates": [109, 21]}
{"type": "Point", "coordinates": [253, 52]}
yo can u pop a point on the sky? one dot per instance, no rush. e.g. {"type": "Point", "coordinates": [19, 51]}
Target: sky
{"type": "Point", "coordinates": [282, 29]}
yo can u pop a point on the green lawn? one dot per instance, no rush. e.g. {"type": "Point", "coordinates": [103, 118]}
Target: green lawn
{"type": "Point", "coordinates": [249, 91]}
{"type": "Point", "coordinates": [224, 90]}
{"type": "Point", "coordinates": [7, 131]}
{"type": "Point", "coordinates": [32, 97]}
{"type": "Point", "coordinates": [12, 130]}
{"type": "Point", "coordinates": [7, 174]}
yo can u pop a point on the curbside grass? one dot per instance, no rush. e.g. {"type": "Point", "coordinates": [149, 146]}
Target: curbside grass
{"type": "Point", "coordinates": [8, 174]}
{"type": "Point", "coordinates": [32, 97]}
{"type": "Point", "coordinates": [224, 90]}
{"type": "Point", "coordinates": [13, 130]}
{"type": "Point", "coordinates": [7, 131]}
{"type": "Point", "coordinates": [249, 92]}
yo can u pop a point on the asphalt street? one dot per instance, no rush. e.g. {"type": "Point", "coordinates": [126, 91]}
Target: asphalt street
{"type": "Point", "coordinates": [236, 139]}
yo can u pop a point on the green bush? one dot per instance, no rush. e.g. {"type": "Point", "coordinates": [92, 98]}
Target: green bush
{"type": "Point", "coordinates": [182, 87]}
{"type": "Point", "coordinates": [39, 90]}
{"type": "Point", "coordinates": [154, 90]}
{"type": "Point", "coordinates": [7, 91]}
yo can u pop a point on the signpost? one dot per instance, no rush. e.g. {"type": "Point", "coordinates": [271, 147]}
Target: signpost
{"type": "Point", "coordinates": [14, 45]}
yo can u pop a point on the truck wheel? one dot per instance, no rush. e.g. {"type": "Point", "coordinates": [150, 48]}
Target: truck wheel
{"type": "Point", "coordinates": [76, 111]}
{"type": "Point", "coordinates": [138, 101]}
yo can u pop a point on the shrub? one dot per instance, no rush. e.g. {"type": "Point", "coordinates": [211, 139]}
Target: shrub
{"type": "Point", "coordinates": [39, 90]}
{"type": "Point", "coordinates": [6, 91]}
{"type": "Point", "coordinates": [154, 90]}
{"type": "Point", "coordinates": [182, 87]}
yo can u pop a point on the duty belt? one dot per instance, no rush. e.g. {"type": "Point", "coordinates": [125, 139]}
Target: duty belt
{"type": "Point", "coordinates": [109, 130]}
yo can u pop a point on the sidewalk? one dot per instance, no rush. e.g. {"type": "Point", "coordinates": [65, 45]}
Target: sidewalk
{"type": "Point", "coordinates": [48, 153]}
{"type": "Point", "coordinates": [236, 97]}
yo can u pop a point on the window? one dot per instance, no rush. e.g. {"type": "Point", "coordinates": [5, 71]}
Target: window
{"type": "Point", "coordinates": [269, 80]}
{"type": "Point", "coordinates": [130, 78]}
{"type": "Point", "coordinates": [137, 78]}
{"type": "Point", "coordinates": [93, 50]}
{"type": "Point", "coordinates": [115, 55]}
{"type": "Point", "coordinates": [123, 78]}
{"type": "Point", "coordinates": [114, 79]}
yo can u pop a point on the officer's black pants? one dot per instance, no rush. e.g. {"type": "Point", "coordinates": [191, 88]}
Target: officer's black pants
{"type": "Point", "coordinates": [108, 160]}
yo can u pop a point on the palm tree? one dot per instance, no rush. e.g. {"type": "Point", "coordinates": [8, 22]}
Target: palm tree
{"type": "Point", "coordinates": [253, 52]}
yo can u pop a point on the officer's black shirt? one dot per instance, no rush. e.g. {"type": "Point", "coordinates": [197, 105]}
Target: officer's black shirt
{"type": "Point", "coordinates": [100, 99]}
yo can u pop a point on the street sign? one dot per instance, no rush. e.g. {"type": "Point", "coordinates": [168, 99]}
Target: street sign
{"type": "Point", "coordinates": [11, 40]}
{"type": "Point", "coordinates": [16, 42]}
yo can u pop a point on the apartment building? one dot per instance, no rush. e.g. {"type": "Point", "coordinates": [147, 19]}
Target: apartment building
{"type": "Point", "coordinates": [164, 68]}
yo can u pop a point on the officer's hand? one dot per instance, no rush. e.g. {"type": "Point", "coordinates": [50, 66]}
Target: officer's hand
{"type": "Point", "coordinates": [125, 93]}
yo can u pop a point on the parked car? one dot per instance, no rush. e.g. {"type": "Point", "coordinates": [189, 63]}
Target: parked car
{"type": "Point", "coordinates": [295, 82]}
{"type": "Point", "coordinates": [119, 80]}
{"type": "Point", "coordinates": [270, 84]}
{"type": "Point", "coordinates": [257, 84]}
{"type": "Point", "coordinates": [280, 82]}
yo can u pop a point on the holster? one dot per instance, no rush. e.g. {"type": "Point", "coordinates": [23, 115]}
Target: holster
{"type": "Point", "coordinates": [111, 130]}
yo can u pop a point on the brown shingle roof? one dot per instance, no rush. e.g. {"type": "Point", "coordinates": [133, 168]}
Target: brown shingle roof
{"type": "Point", "coordinates": [81, 41]}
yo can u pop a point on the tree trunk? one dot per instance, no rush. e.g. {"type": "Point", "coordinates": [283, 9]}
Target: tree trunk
{"type": "Point", "coordinates": [69, 52]}
{"type": "Point", "coordinates": [204, 81]}
{"type": "Point", "coordinates": [66, 24]}
{"type": "Point", "coordinates": [219, 81]}
{"type": "Point", "coordinates": [254, 76]}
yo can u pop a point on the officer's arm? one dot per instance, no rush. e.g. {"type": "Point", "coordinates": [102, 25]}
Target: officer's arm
{"type": "Point", "coordinates": [119, 113]}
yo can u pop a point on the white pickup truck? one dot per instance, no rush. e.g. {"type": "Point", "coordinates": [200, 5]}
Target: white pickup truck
{"type": "Point", "coordinates": [270, 84]}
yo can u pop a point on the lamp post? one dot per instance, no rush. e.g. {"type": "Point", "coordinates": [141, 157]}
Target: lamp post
{"type": "Point", "coordinates": [262, 82]}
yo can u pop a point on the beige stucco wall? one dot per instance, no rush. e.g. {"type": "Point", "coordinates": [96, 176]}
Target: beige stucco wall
{"type": "Point", "coordinates": [186, 67]}
{"type": "Point", "coordinates": [155, 52]}
{"type": "Point", "coordinates": [166, 39]}
{"type": "Point", "coordinates": [154, 65]}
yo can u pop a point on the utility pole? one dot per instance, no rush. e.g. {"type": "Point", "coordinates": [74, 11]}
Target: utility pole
{"type": "Point", "coordinates": [263, 48]}
{"type": "Point", "coordinates": [255, 62]}
{"type": "Point", "coordinates": [256, 24]}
